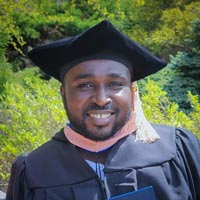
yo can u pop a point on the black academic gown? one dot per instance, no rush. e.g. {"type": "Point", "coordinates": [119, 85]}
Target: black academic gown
{"type": "Point", "coordinates": [57, 171]}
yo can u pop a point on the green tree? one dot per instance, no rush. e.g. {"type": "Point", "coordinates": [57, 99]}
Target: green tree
{"type": "Point", "coordinates": [186, 67]}
{"type": "Point", "coordinates": [7, 22]}
{"type": "Point", "coordinates": [175, 26]}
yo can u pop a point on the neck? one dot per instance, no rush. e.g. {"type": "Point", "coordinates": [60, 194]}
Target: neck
{"type": "Point", "coordinates": [96, 146]}
{"type": "Point", "coordinates": [99, 157]}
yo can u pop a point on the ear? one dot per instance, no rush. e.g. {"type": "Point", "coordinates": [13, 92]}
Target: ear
{"type": "Point", "coordinates": [62, 92]}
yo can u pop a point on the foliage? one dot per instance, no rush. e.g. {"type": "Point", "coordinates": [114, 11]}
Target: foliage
{"type": "Point", "coordinates": [5, 75]}
{"type": "Point", "coordinates": [175, 26]}
{"type": "Point", "coordinates": [159, 109]}
{"type": "Point", "coordinates": [31, 108]}
{"type": "Point", "coordinates": [186, 68]}
{"type": "Point", "coordinates": [195, 114]}
{"type": "Point", "coordinates": [11, 31]}
{"type": "Point", "coordinates": [36, 21]}
{"type": "Point", "coordinates": [187, 63]}
{"type": "Point", "coordinates": [170, 22]}
{"type": "Point", "coordinates": [3, 43]}
{"type": "Point", "coordinates": [31, 112]}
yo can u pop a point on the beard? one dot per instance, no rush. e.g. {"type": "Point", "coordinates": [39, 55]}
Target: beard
{"type": "Point", "coordinates": [98, 134]}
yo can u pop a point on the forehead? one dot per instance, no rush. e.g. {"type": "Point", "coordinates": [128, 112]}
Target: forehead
{"type": "Point", "coordinates": [99, 68]}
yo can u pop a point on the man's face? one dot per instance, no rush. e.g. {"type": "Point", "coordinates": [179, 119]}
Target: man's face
{"type": "Point", "coordinates": [97, 97]}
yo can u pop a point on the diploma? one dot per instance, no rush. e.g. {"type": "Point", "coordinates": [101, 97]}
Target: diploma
{"type": "Point", "coordinates": [146, 193]}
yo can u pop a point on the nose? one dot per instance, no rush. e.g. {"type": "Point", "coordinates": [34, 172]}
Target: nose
{"type": "Point", "coordinates": [101, 96]}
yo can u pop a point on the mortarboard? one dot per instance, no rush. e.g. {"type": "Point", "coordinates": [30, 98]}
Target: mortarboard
{"type": "Point", "coordinates": [102, 41]}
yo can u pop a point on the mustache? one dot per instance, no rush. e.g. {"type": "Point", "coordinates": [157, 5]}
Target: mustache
{"type": "Point", "coordinates": [97, 107]}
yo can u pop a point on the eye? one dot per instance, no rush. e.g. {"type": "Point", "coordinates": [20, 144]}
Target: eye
{"type": "Point", "coordinates": [116, 84]}
{"type": "Point", "coordinates": [85, 86]}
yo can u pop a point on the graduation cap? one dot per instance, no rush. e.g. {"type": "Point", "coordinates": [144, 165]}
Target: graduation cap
{"type": "Point", "coordinates": [102, 41]}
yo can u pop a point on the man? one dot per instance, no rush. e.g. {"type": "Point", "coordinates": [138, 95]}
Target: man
{"type": "Point", "coordinates": [108, 148]}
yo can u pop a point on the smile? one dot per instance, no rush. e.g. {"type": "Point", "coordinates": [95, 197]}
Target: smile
{"type": "Point", "coordinates": [100, 116]}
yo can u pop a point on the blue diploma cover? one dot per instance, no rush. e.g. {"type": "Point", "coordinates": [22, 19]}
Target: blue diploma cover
{"type": "Point", "coordinates": [146, 193]}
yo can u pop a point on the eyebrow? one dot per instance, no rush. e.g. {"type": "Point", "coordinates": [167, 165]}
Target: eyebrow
{"type": "Point", "coordinates": [89, 75]}
{"type": "Point", "coordinates": [117, 75]}
{"type": "Point", "coordinates": [82, 76]}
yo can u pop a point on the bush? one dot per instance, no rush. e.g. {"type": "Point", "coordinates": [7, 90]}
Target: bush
{"type": "Point", "coordinates": [159, 109]}
{"type": "Point", "coordinates": [5, 75]}
{"type": "Point", "coordinates": [195, 114]}
{"type": "Point", "coordinates": [31, 112]}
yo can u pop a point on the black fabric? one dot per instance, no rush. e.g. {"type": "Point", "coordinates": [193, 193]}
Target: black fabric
{"type": "Point", "coordinates": [102, 41]}
{"type": "Point", "coordinates": [57, 171]}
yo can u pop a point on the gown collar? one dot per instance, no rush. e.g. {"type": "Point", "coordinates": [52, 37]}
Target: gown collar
{"type": "Point", "coordinates": [128, 153]}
